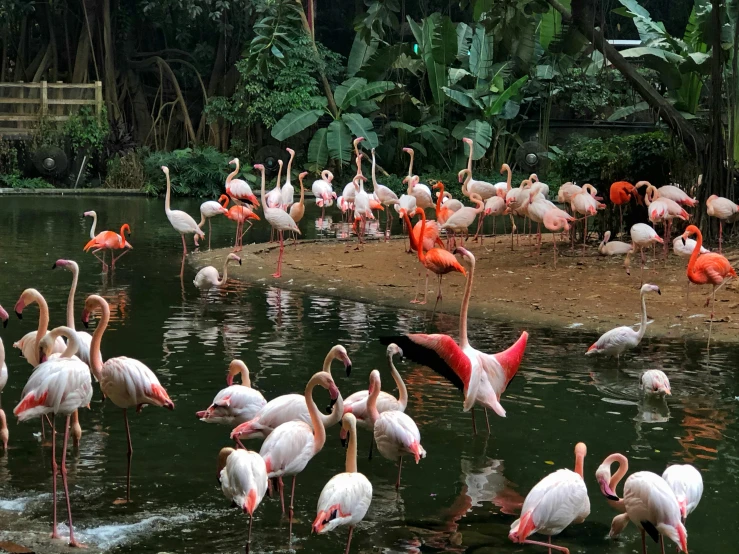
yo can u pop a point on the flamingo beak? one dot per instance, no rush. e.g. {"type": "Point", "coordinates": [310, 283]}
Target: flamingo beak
{"type": "Point", "coordinates": [606, 490]}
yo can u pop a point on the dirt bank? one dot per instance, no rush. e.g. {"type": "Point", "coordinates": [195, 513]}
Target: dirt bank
{"type": "Point", "coordinates": [590, 292]}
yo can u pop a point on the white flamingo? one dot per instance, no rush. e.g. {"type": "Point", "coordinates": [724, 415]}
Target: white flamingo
{"type": "Point", "coordinates": [236, 403]}
{"type": "Point", "coordinates": [654, 381]}
{"type": "Point", "coordinates": [29, 343]}
{"type": "Point", "coordinates": [239, 189]}
{"type": "Point", "coordinates": [84, 337]}
{"type": "Point", "coordinates": [676, 194]}
{"type": "Point", "coordinates": [288, 190]}
{"type": "Point", "coordinates": [585, 203]}
{"type": "Point", "coordinates": [642, 236]}
{"type": "Point", "coordinates": [4, 434]}
{"type": "Point", "coordinates": [610, 247]}
{"type": "Point", "coordinates": [323, 191]}
{"type": "Point", "coordinates": [210, 209]}
{"type": "Point", "coordinates": [687, 484]}
{"type": "Point", "coordinates": [384, 195]}
{"type": "Point", "coordinates": [183, 223]}
{"type": "Point", "coordinates": [273, 199]}
{"type": "Point", "coordinates": [346, 498]}
{"type": "Point", "coordinates": [460, 220]}
{"type": "Point", "coordinates": [722, 209]}
{"type": "Point", "coordinates": [207, 277]}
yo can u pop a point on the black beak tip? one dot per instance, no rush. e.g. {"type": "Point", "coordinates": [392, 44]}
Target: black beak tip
{"type": "Point", "coordinates": [19, 314]}
{"type": "Point", "coordinates": [343, 442]}
{"type": "Point", "coordinates": [86, 324]}
{"type": "Point", "coordinates": [239, 262]}
{"type": "Point", "coordinates": [53, 265]}
{"type": "Point", "coordinates": [349, 370]}
{"type": "Point", "coordinates": [5, 323]}
{"type": "Point", "coordinates": [612, 497]}
{"type": "Point", "coordinates": [659, 292]}
{"type": "Point", "coordinates": [684, 241]}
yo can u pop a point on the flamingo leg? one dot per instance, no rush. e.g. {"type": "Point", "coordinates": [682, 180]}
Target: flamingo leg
{"type": "Point", "coordinates": [662, 543]}
{"type": "Point", "coordinates": [349, 540]}
{"type": "Point", "coordinates": [554, 241]}
{"type": "Point", "coordinates": [372, 444]}
{"type": "Point", "coordinates": [479, 226]}
{"type": "Point", "coordinates": [621, 219]}
{"type": "Point", "coordinates": [713, 305]}
{"type": "Point", "coordinates": [210, 231]}
{"type": "Point", "coordinates": [248, 540]}
{"type": "Point", "coordinates": [494, 237]}
{"type": "Point", "coordinates": [474, 426]}
{"type": "Point", "coordinates": [291, 512]}
{"type": "Point", "coordinates": [281, 486]}
{"type": "Point", "coordinates": [278, 273]}
{"type": "Point", "coordinates": [72, 542]}
{"type": "Point", "coordinates": [54, 471]}
{"type": "Point", "coordinates": [642, 267]}
{"type": "Point", "coordinates": [438, 296]}
{"type": "Point", "coordinates": [487, 420]}
{"type": "Point", "coordinates": [129, 455]}
{"type": "Point", "coordinates": [584, 234]}
{"type": "Point", "coordinates": [116, 258]}
{"type": "Point", "coordinates": [184, 254]}
{"type": "Point", "coordinates": [425, 288]}
{"type": "Point", "coordinates": [720, 235]}
{"type": "Point", "coordinates": [400, 467]}
{"type": "Point", "coordinates": [548, 545]}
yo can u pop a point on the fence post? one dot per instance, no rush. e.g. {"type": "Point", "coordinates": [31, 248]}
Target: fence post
{"type": "Point", "coordinates": [99, 99]}
{"type": "Point", "coordinates": [44, 100]}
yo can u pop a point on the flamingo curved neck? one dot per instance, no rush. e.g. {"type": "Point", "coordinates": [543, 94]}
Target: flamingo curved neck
{"type": "Point", "coordinates": [351, 452]}
{"type": "Point", "coordinates": [623, 468]}
{"type": "Point", "coordinates": [2, 353]}
{"type": "Point", "coordinates": [96, 358]}
{"type": "Point", "coordinates": [411, 234]}
{"type": "Point", "coordinates": [696, 252]}
{"type": "Point", "coordinates": [43, 317]}
{"type": "Point", "coordinates": [374, 178]}
{"type": "Point", "coordinates": [122, 240]}
{"type": "Point", "coordinates": [302, 193]}
{"type": "Point", "coordinates": [319, 432]}
{"type": "Point", "coordinates": [202, 220]}
{"type": "Point", "coordinates": [239, 368]}
{"type": "Point", "coordinates": [233, 174]}
{"type": "Point", "coordinates": [410, 165]}
{"type": "Point", "coordinates": [643, 326]}
{"type": "Point", "coordinates": [225, 273]}
{"type": "Point", "coordinates": [372, 403]}
{"type": "Point", "coordinates": [73, 343]}
{"type": "Point", "coordinates": [439, 198]}
{"type": "Point", "coordinates": [463, 342]}
{"type": "Point", "coordinates": [75, 269]}
{"type": "Point", "coordinates": [94, 224]}
{"type": "Point", "coordinates": [330, 357]}
{"type": "Point", "coordinates": [419, 244]}
{"type": "Point", "coordinates": [402, 390]}
{"type": "Point", "coordinates": [509, 177]}
{"type": "Point", "coordinates": [289, 167]}
{"type": "Point", "coordinates": [579, 463]}
{"type": "Point", "coordinates": [469, 159]}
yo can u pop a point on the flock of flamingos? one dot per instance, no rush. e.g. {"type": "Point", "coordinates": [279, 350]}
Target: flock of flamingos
{"type": "Point", "coordinates": [67, 361]}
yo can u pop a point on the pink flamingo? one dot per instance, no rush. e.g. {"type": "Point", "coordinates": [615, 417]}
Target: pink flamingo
{"type": "Point", "coordinates": [85, 338]}
{"type": "Point", "coordinates": [608, 484]}
{"type": "Point", "coordinates": [323, 191]}
{"type": "Point", "coordinates": [109, 240]}
{"type": "Point", "coordinates": [585, 203]}
{"type": "Point", "coordinates": [460, 220]}
{"type": "Point", "coordinates": [345, 499]}
{"type": "Point", "coordinates": [4, 435]}
{"type": "Point", "coordinates": [555, 502]}
{"type": "Point", "coordinates": [655, 382]}
{"type": "Point", "coordinates": [29, 343]}
{"type": "Point", "coordinates": [642, 235]}
{"type": "Point", "coordinates": [207, 277]}
{"type": "Point", "coordinates": [237, 188]}
{"type": "Point", "coordinates": [385, 196]}
{"type": "Point", "coordinates": [289, 448]}
{"type": "Point", "coordinates": [125, 381]}
{"type": "Point", "coordinates": [687, 484]}
{"type": "Point", "coordinates": [241, 214]}
{"type": "Point", "coordinates": [663, 209]}
{"type": "Point", "coordinates": [211, 209]}
{"type": "Point", "coordinates": [556, 220]}
{"type": "Point", "coordinates": [482, 377]}
{"type": "Point", "coordinates": [236, 403]}
{"type": "Point", "coordinates": [59, 386]}
{"type": "Point", "coordinates": [724, 210]}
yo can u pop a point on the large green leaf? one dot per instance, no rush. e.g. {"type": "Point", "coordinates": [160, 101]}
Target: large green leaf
{"type": "Point", "coordinates": [383, 60]}
{"type": "Point", "coordinates": [294, 122]}
{"type": "Point", "coordinates": [346, 88]}
{"type": "Point", "coordinates": [401, 126]}
{"type": "Point", "coordinates": [361, 127]}
{"type": "Point", "coordinates": [460, 97]}
{"type": "Point", "coordinates": [649, 30]}
{"type": "Point", "coordinates": [442, 37]}
{"type": "Point", "coordinates": [318, 149]}
{"type": "Point", "coordinates": [457, 73]}
{"type": "Point", "coordinates": [482, 6]}
{"type": "Point", "coordinates": [479, 131]}
{"type": "Point", "coordinates": [365, 92]}
{"type": "Point", "coordinates": [464, 35]}
{"type": "Point", "coordinates": [497, 106]}
{"type": "Point", "coordinates": [416, 30]}
{"type": "Point", "coordinates": [481, 53]}
{"type": "Point", "coordinates": [338, 138]}
{"type": "Point", "coordinates": [626, 111]}
{"type": "Point", "coordinates": [437, 77]}
{"type": "Point", "coordinates": [435, 135]}
{"type": "Point", "coordinates": [360, 54]}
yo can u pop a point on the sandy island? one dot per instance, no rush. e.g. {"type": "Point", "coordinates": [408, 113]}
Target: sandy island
{"type": "Point", "coordinates": [588, 293]}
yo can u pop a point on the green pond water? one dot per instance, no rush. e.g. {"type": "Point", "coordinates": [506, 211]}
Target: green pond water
{"type": "Point", "coordinates": [461, 498]}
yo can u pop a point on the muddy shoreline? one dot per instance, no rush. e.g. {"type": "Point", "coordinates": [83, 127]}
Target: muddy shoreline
{"type": "Point", "coordinates": [587, 293]}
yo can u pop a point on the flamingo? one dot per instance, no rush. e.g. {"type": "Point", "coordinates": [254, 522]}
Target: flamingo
{"type": "Point", "coordinates": [677, 195]}
{"type": "Point", "coordinates": [620, 193]}
{"type": "Point", "coordinates": [617, 341]}
{"type": "Point", "coordinates": [460, 220]}
{"type": "Point", "coordinates": [652, 506]}
{"type": "Point", "coordinates": [663, 209]}
{"type": "Point", "coordinates": [207, 277]}
{"type": "Point", "coordinates": [396, 434]}
{"type": "Point", "coordinates": [362, 209]}
{"type": "Point", "coordinates": [241, 214]}
{"type": "Point", "coordinates": [356, 403]}
{"type": "Point", "coordinates": [243, 477]}
{"type": "Point", "coordinates": [585, 203]}
{"type": "Point", "coordinates": [608, 485]}
{"type": "Point", "coordinates": [642, 235]}
{"type": "Point", "coordinates": [537, 206]}
{"type": "Point", "coordinates": [109, 240]}
{"type": "Point", "coordinates": [127, 382]}
{"type": "Point", "coordinates": [515, 201]}
{"type": "Point", "coordinates": [504, 186]}
{"type": "Point", "coordinates": [94, 216]}
{"type": "Point", "coordinates": [292, 407]}
{"type": "Point", "coordinates": [4, 435]}
{"type": "Point", "coordinates": [555, 502]}
{"type": "Point", "coordinates": [450, 202]}
{"type": "Point", "coordinates": [442, 212]}
{"type": "Point", "coordinates": [323, 191]}
{"type": "Point", "coordinates": [278, 219]}
{"type": "Point", "coordinates": [495, 206]}
{"type": "Point", "coordinates": [345, 499]}
{"type": "Point", "coordinates": [289, 448]}
{"type": "Point", "coordinates": [59, 386]}
{"type": "Point", "coordinates": [29, 343]}
{"type": "Point", "coordinates": [406, 203]}
{"type": "Point", "coordinates": [412, 154]}
{"type": "Point", "coordinates": [183, 223]}
{"type": "Point", "coordinates": [687, 484]}
{"type": "Point", "coordinates": [211, 209]}
{"type": "Point", "coordinates": [427, 236]}
{"type": "Point", "coordinates": [482, 377]}
{"type": "Point", "coordinates": [684, 248]}
{"type": "Point", "coordinates": [483, 189]}
{"type": "Point", "coordinates": [273, 198]}
{"type": "Point", "coordinates": [288, 190]}
{"type": "Point", "coordinates": [654, 381]}
{"type": "Point", "coordinates": [566, 192]}
{"type": "Point", "coordinates": [421, 192]}
{"type": "Point", "coordinates": [237, 188]}
{"type": "Point", "coordinates": [85, 338]}
{"type": "Point", "coordinates": [297, 210]}
{"type": "Point", "coordinates": [722, 209]}
{"type": "Point", "coordinates": [386, 197]}
{"type": "Point", "coordinates": [613, 248]}
{"type": "Point", "coordinates": [556, 220]}
{"type": "Point", "coordinates": [707, 269]}
{"type": "Point", "coordinates": [236, 403]}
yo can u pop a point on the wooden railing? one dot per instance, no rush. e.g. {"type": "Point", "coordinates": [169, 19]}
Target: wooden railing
{"type": "Point", "coordinates": [24, 105]}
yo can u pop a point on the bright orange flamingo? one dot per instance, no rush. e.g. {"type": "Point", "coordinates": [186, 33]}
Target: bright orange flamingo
{"type": "Point", "coordinates": [442, 212]}
{"type": "Point", "coordinates": [240, 214]}
{"type": "Point", "coordinates": [707, 269]}
{"type": "Point", "coordinates": [438, 260]}
{"type": "Point", "coordinates": [621, 193]}
{"type": "Point", "coordinates": [429, 239]}
{"type": "Point", "coordinates": [110, 240]}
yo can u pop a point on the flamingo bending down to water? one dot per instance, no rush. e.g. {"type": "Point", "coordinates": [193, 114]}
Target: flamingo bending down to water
{"type": "Point", "coordinates": [241, 214]}
{"type": "Point", "coordinates": [346, 498]}
{"type": "Point", "coordinates": [292, 407]}
{"type": "Point", "coordinates": [207, 277]}
{"type": "Point", "coordinates": [610, 247]}
{"type": "Point", "coordinates": [182, 222]}
{"type": "Point", "coordinates": [724, 210]}
{"type": "Point", "coordinates": [243, 477]}
{"type": "Point", "coordinates": [687, 484]}
{"type": "Point", "coordinates": [608, 485]}
{"type": "Point", "coordinates": [109, 240]}
{"type": "Point", "coordinates": [655, 382]}
{"type": "Point", "coordinates": [237, 188]}
{"type": "Point", "coordinates": [84, 337]}
{"type": "Point", "coordinates": [617, 341]}
{"type": "Point", "coordinates": [210, 209]}
{"type": "Point", "coordinates": [236, 403]}
{"type": "Point", "coordinates": [652, 506]}
{"type": "Point", "coordinates": [279, 219]}
{"type": "Point", "coordinates": [395, 433]}
{"type": "Point", "coordinates": [289, 448]}
{"type": "Point", "coordinates": [555, 502]}
{"type": "Point", "coordinates": [707, 269]}
{"type": "Point", "coordinates": [125, 381]}
{"type": "Point", "coordinates": [4, 435]}
{"type": "Point", "coordinates": [59, 386]}
{"type": "Point", "coordinates": [29, 343]}
{"type": "Point", "coordinates": [482, 377]}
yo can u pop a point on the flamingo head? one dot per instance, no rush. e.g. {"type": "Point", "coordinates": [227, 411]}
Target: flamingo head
{"type": "Point", "coordinates": [467, 140]}
{"type": "Point", "coordinates": [92, 213]}
{"type": "Point", "coordinates": [259, 167]}
{"type": "Point", "coordinates": [27, 297]}
{"type": "Point", "coordinates": [650, 288]}
{"type": "Point", "coordinates": [339, 353]}
{"type": "Point", "coordinates": [235, 161]}
{"type": "Point", "coordinates": [393, 350]}
{"type": "Point", "coordinates": [61, 263]}
{"type": "Point", "coordinates": [408, 151]}
{"type": "Point", "coordinates": [4, 316]}
{"type": "Point", "coordinates": [460, 175]}
{"type": "Point", "coordinates": [466, 254]}
{"type": "Point", "coordinates": [290, 151]}
{"type": "Point", "coordinates": [603, 476]}
{"type": "Point", "coordinates": [165, 169]}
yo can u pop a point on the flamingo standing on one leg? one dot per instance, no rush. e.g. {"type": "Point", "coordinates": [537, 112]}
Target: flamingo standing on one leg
{"type": "Point", "coordinates": [243, 477]}
{"type": "Point", "coordinates": [59, 386]}
{"type": "Point", "coordinates": [4, 435]}
{"type": "Point", "coordinates": [235, 404]}
{"type": "Point", "coordinates": [211, 209]}
{"type": "Point", "coordinates": [125, 381]}
{"type": "Point", "coordinates": [346, 498]}
{"type": "Point", "coordinates": [289, 448]}
{"type": "Point", "coordinates": [652, 506]}
{"type": "Point", "coordinates": [557, 501]}
{"type": "Point", "coordinates": [183, 223]}
{"type": "Point", "coordinates": [707, 269]}
{"type": "Point", "coordinates": [279, 219]}
{"type": "Point", "coordinates": [482, 377]}
{"type": "Point", "coordinates": [110, 240]}
{"type": "Point", "coordinates": [84, 337]}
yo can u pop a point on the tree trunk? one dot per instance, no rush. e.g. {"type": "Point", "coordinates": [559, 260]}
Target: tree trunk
{"type": "Point", "coordinates": [324, 80]}
{"type": "Point", "coordinates": [20, 60]}
{"type": "Point", "coordinates": [110, 89]}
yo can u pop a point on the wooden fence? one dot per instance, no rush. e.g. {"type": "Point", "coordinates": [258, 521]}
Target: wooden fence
{"type": "Point", "coordinates": [24, 105]}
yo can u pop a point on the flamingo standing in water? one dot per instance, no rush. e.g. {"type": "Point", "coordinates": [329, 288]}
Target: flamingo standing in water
{"type": "Point", "coordinates": [279, 219]}
{"type": "Point", "coordinates": [236, 403]}
{"type": "Point", "coordinates": [239, 189]}
{"type": "Point", "coordinates": [243, 477]}
{"type": "Point", "coordinates": [85, 338]}
{"type": "Point", "coordinates": [94, 217]}
{"type": "Point", "coordinates": [617, 341]}
{"type": "Point", "coordinates": [396, 434]}
{"type": "Point", "coordinates": [608, 484]}
{"type": "Point", "coordinates": [211, 209]}
{"type": "Point", "coordinates": [323, 191]}
{"type": "Point", "coordinates": [289, 448]}
{"type": "Point", "coordinates": [655, 382]}
{"type": "Point", "coordinates": [557, 501]}
{"type": "Point", "coordinates": [346, 498]}
{"type": "Point", "coordinates": [652, 506]}
{"type": "Point", "coordinates": [687, 484]}
{"type": "Point", "coordinates": [707, 269]}
{"type": "Point", "coordinates": [207, 277]}
{"type": "Point", "coordinates": [29, 343]}
{"type": "Point", "coordinates": [482, 377]}
{"type": "Point", "coordinates": [183, 223]}
{"type": "Point", "coordinates": [59, 386]}
{"type": "Point", "coordinates": [109, 240]}
{"type": "Point", "coordinates": [4, 435]}
{"type": "Point", "coordinates": [125, 381]}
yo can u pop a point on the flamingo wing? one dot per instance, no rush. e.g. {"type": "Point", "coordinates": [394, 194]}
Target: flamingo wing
{"type": "Point", "coordinates": [344, 501]}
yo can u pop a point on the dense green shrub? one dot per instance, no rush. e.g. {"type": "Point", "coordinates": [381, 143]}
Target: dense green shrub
{"type": "Point", "coordinates": [125, 172]}
{"type": "Point", "coordinates": [15, 181]}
